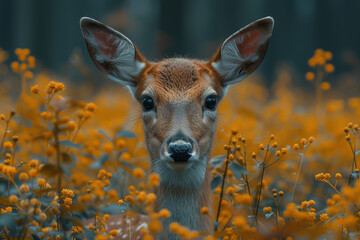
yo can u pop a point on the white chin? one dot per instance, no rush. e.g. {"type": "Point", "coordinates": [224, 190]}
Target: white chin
{"type": "Point", "coordinates": [179, 167]}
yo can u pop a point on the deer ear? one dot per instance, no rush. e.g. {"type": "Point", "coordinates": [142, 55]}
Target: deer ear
{"type": "Point", "coordinates": [243, 51]}
{"type": "Point", "coordinates": [112, 52]}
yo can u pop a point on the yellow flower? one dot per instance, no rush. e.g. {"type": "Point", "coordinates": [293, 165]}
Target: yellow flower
{"type": "Point", "coordinates": [310, 76]}
{"type": "Point", "coordinates": [8, 145]}
{"type": "Point", "coordinates": [41, 182]}
{"type": "Point", "coordinates": [91, 107]}
{"type": "Point", "coordinates": [164, 213]}
{"type": "Point", "coordinates": [204, 210]}
{"type": "Point", "coordinates": [150, 198]}
{"type": "Point", "coordinates": [324, 217]}
{"type": "Point", "coordinates": [239, 221]}
{"type": "Point", "coordinates": [174, 227]}
{"type": "Point", "coordinates": [138, 173]}
{"type": "Point", "coordinates": [267, 209]}
{"type": "Point", "coordinates": [329, 68]}
{"type": "Point", "coordinates": [15, 66]}
{"type": "Point", "coordinates": [28, 75]}
{"type": "Point", "coordinates": [113, 233]}
{"type": "Point", "coordinates": [325, 86]}
{"type": "Point", "coordinates": [23, 177]}
{"type": "Point", "coordinates": [31, 61]}
{"type": "Point", "coordinates": [13, 199]}
{"type": "Point", "coordinates": [34, 89]}
{"type": "Point", "coordinates": [154, 226]}
{"type": "Point", "coordinates": [338, 176]}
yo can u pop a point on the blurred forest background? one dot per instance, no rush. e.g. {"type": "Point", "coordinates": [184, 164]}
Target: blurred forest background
{"type": "Point", "coordinates": [190, 28]}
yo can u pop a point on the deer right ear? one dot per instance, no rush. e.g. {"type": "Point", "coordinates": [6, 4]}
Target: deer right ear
{"type": "Point", "coordinates": [243, 51]}
{"type": "Point", "coordinates": [112, 52]}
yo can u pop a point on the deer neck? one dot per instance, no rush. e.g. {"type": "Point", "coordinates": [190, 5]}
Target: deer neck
{"type": "Point", "coordinates": [185, 203]}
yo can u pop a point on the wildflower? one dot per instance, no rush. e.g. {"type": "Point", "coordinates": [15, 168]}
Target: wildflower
{"type": "Point", "coordinates": [229, 190]}
{"type": "Point", "coordinates": [33, 173]}
{"type": "Point", "coordinates": [23, 67]}
{"type": "Point", "coordinates": [267, 209]}
{"type": "Point", "coordinates": [147, 237]}
{"type": "Point", "coordinates": [284, 150]}
{"type": "Point", "coordinates": [174, 227]}
{"type": "Point", "coordinates": [2, 117]}
{"type": "Point", "coordinates": [278, 153]}
{"type": "Point", "coordinates": [33, 201]}
{"type": "Point", "coordinates": [262, 146]}
{"type": "Point", "coordinates": [281, 193]}
{"type": "Point", "coordinates": [327, 176]}
{"type": "Point", "coordinates": [120, 202]}
{"type": "Point", "coordinates": [91, 107]}
{"type": "Point", "coordinates": [113, 233]}
{"type": "Point", "coordinates": [328, 55]}
{"type": "Point", "coordinates": [338, 176]}
{"type": "Point", "coordinates": [138, 173]}
{"type": "Point", "coordinates": [41, 182]}
{"type": "Point", "coordinates": [239, 221]}
{"type": "Point", "coordinates": [24, 188]}
{"type": "Point", "coordinates": [310, 76]}
{"type": "Point", "coordinates": [311, 203]}
{"type": "Point", "coordinates": [154, 226]}
{"type": "Point", "coordinates": [71, 125]}
{"type": "Point", "coordinates": [204, 210]}
{"type": "Point", "coordinates": [8, 145]}
{"type": "Point", "coordinates": [253, 155]}
{"type": "Point", "coordinates": [164, 213]}
{"type": "Point", "coordinates": [15, 66]}
{"type": "Point", "coordinates": [311, 139]}
{"type": "Point", "coordinates": [126, 156]}
{"type": "Point", "coordinates": [320, 176]}
{"type": "Point", "coordinates": [324, 217]}
{"type": "Point", "coordinates": [296, 146]}
{"type": "Point", "coordinates": [23, 177]}
{"type": "Point", "coordinates": [13, 199]}
{"type": "Point", "coordinates": [108, 147]}
{"type": "Point", "coordinates": [141, 197]}
{"type": "Point", "coordinates": [59, 87]}
{"type": "Point", "coordinates": [329, 68]}
{"type": "Point", "coordinates": [28, 75]}
{"type": "Point", "coordinates": [356, 127]}
{"type": "Point", "coordinates": [150, 198]}
{"type": "Point", "coordinates": [242, 198]}
{"type": "Point", "coordinates": [31, 62]}
{"type": "Point", "coordinates": [325, 86]}
{"type": "Point", "coordinates": [67, 193]}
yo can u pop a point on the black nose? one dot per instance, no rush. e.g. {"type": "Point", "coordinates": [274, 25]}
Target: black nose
{"type": "Point", "coordinates": [180, 150]}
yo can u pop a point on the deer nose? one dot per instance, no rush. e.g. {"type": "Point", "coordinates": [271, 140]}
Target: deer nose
{"type": "Point", "coordinates": [180, 150]}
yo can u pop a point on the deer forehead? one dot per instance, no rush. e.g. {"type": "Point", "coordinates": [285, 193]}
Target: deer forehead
{"type": "Point", "coordinates": [179, 79]}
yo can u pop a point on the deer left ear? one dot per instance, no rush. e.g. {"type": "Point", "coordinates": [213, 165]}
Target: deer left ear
{"type": "Point", "coordinates": [243, 51]}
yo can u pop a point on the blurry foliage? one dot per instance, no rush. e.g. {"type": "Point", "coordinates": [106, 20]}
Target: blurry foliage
{"type": "Point", "coordinates": [288, 169]}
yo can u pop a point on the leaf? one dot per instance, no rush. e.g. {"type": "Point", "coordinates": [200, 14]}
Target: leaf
{"type": "Point", "coordinates": [105, 134]}
{"type": "Point", "coordinates": [125, 134]}
{"type": "Point", "coordinates": [218, 160]}
{"type": "Point", "coordinates": [114, 208]}
{"type": "Point", "coordinates": [238, 170]}
{"type": "Point", "coordinates": [99, 162]}
{"type": "Point", "coordinates": [9, 220]}
{"type": "Point", "coordinates": [215, 182]}
{"type": "Point", "coordinates": [216, 225]}
{"type": "Point", "coordinates": [268, 215]}
{"type": "Point", "coordinates": [70, 144]}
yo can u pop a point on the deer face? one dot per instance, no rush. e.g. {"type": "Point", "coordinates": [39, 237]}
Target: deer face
{"type": "Point", "coordinates": [179, 97]}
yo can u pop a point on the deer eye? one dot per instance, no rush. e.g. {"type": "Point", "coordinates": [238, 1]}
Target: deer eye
{"type": "Point", "coordinates": [148, 104]}
{"type": "Point", "coordinates": [210, 102]}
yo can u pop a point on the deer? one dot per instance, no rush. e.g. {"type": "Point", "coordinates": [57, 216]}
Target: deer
{"type": "Point", "coordinates": [179, 99]}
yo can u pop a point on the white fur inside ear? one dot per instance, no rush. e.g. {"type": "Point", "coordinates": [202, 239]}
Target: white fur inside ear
{"type": "Point", "coordinates": [231, 60]}
{"type": "Point", "coordinates": [121, 56]}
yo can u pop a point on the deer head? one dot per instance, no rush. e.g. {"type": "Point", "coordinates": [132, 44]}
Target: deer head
{"type": "Point", "coordinates": [179, 96]}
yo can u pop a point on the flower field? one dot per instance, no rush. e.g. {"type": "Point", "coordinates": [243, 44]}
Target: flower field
{"type": "Point", "coordinates": [284, 162]}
